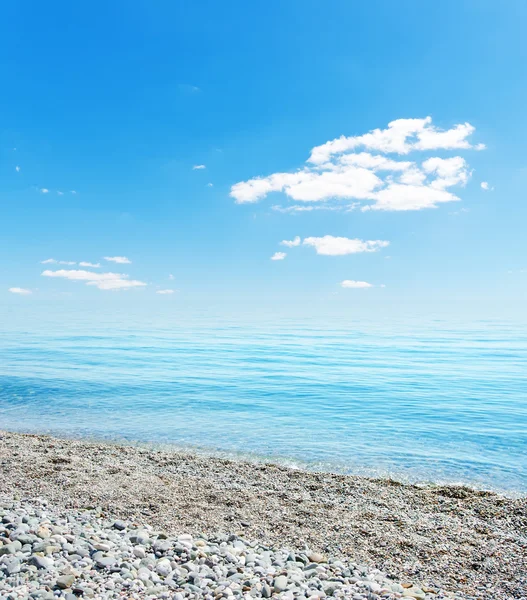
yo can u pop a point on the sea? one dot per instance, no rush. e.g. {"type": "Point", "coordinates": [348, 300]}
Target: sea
{"type": "Point", "coordinates": [420, 401]}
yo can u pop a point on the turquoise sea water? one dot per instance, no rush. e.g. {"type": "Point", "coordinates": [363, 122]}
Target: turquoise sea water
{"type": "Point", "coordinates": [424, 401]}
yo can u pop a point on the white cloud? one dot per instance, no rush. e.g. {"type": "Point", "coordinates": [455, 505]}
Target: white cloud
{"type": "Point", "coordinates": [73, 192]}
{"type": "Point", "coordinates": [279, 256]}
{"type": "Point", "coordinates": [486, 186]}
{"type": "Point", "coordinates": [89, 264]}
{"type": "Point", "coordinates": [329, 245]}
{"type": "Point", "coordinates": [52, 261]}
{"type": "Point", "coordinates": [81, 275]}
{"type": "Point", "coordinates": [299, 208]}
{"type": "Point", "coordinates": [44, 190]}
{"type": "Point", "coordinates": [356, 285]}
{"type": "Point", "coordinates": [336, 172]}
{"type": "Point", "coordinates": [164, 291]}
{"type": "Point", "coordinates": [210, 185]}
{"type": "Point", "coordinates": [171, 276]}
{"type": "Point", "coordinates": [291, 243]}
{"type": "Point", "coordinates": [198, 167]}
{"type": "Point", "coordinates": [117, 284]}
{"type": "Point", "coordinates": [401, 137]}
{"type": "Point", "coordinates": [17, 169]}
{"type": "Point", "coordinates": [60, 193]}
{"type": "Point", "coordinates": [121, 260]}
{"type": "Point", "coordinates": [104, 281]}
{"type": "Point", "coordinates": [20, 291]}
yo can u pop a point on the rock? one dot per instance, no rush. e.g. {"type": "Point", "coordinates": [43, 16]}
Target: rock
{"type": "Point", "coordinates": [280, 583]}
{"type": "Point", "coordinates": [43, 532]}
{"type": "Point", "coordinates": [41, 562]}
{"type": "Point", "coordinates": [65, 581]}
{"type": "Point", "coordinates": [105, 562]}
{"type": "Point", "coordinates": [163, 567]}
{"type": "Point", "coordinates": [11, 548]}
{"type": "Point", "coordinates": [317, 558]}
{"type": "Point", "coordinates": [414, 592]}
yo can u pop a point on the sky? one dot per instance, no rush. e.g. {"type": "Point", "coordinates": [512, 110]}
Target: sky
{"type": "Point", "coordinates": [264, 157]}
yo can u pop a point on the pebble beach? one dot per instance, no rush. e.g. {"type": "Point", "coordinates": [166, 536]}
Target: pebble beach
{"type": "Point", "coordinates": [83, 518]}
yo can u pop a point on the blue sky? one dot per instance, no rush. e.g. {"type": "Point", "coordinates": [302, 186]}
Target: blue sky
{"type": "Point", "coordinates": [110, 106]}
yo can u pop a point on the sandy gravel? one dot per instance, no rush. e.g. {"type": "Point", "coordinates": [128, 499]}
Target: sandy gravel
{"type": "Point", "coordinates": [453, 538]}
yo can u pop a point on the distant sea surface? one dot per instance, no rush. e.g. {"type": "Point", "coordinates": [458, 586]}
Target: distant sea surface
{"type": "Point", "coordinates": [422, 402]}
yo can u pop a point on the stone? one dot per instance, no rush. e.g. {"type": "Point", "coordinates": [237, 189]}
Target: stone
{"type": "Point", "coordinates": [317, 558]}
{"type": "Point", "coordinates": [105, 562]}
{"type": "Point", "coordinates": [280, 583]}
{"type": "Point", "coordinates": [65, 581]}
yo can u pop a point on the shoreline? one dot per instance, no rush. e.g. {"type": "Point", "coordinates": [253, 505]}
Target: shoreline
{"type": "Point", "coordinates": [255, 459]}
{"type": "Point", "coordinates": [454, 538]}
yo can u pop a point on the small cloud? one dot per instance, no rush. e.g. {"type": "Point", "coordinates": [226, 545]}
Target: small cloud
{"type": "Point", "coordinates": [329, 245]}
{"type": "Point", "coordinates": [73, 192]}
{"type": "Point", "coordinates": [121, 260]}
{"type": "Point", "coordinates": [189, 89]}
{"type": "Point", "coordinates": [44, 191]}
{"type": "Point", "coordinates": [210, 185]}
{"type": "Point", "coordinates": [356, 285]}
{"type": "Point", "coordinates": [485, 186]}
{"type": "Point", "coordinates": [20, 291]}
{"type": "Point", "coordinates": [165, 292]}
{"type": "Point", "coordinates": [117, 284]}
{"type": "Point", "coordinates": [89, 264]}
{"type": "Point", "coordinates": [278, 256]}
{"type": "Point", "coordinates": [17, 169]}
{"type": "Point", "coordinates": [171, 277]}
{"type": "Point", "coordinates": [60, 193]}
{"type": "Point", "coordinates": [459, 212]}
{"type": "Point", "coordinates": [291, 243]}
{"type": "Point", "coordinates": [52, 261]}
{"type": "Point", "coordinates": [198, 167]}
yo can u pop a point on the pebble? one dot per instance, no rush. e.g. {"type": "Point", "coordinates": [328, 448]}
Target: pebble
{"type": "Point", "coordinates": [87, 556]}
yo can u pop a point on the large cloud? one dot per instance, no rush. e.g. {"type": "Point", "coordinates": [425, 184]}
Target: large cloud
{"type": "Point", "coordinates": [355, 168]}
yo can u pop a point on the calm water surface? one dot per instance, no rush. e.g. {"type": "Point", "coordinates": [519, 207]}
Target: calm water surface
{"type": "Point", "coordinates": [422, 402]}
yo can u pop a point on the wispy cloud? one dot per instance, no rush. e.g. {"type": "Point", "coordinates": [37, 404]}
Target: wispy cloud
{"type": "Point", "coordinates": [337, 171]}
{"type": "Point", "coordinates": [292, 243]}
{"type": "Point", "coordinates": [60, 193]}
{"type": "Point", "coordinates": [486, 186]}
{"type": "Point", "coordinates": [171, 276]}
{"type": "Point", "coordinates": [121, 260]}
{"type": "Point", "coordinates": [17, 169]}
{"type": "Point", "coordinates": [73, 192]}
{"type": "Point", "coordinates": [329, 245]}
{"type": "Point", "coordinates": [278, 256]}
{"type": "Point", "coordinates": [189, 89]}
{"type": "Point", "coordinates": [44, 191]}
{"type": "Point", "coordinates": [198, 167]}
{"type": "Point", "coordinates": [163, 292]}
{"type": "Point", "coordinates": [210, 185]}
{"type": "Point", "coordinates": [104, 281]}
{"type": "Point", "coordinates": [89, 264]}
{"type": "Point", "coordinates": [20, 291]}
{"type": "Point", "coordinates": [52, 261]}
{"type": "Point", "coordinates": [356, 285]}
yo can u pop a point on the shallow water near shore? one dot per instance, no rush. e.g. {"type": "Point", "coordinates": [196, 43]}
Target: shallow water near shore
{"type": "Point", "coordinates": [423, 402]}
